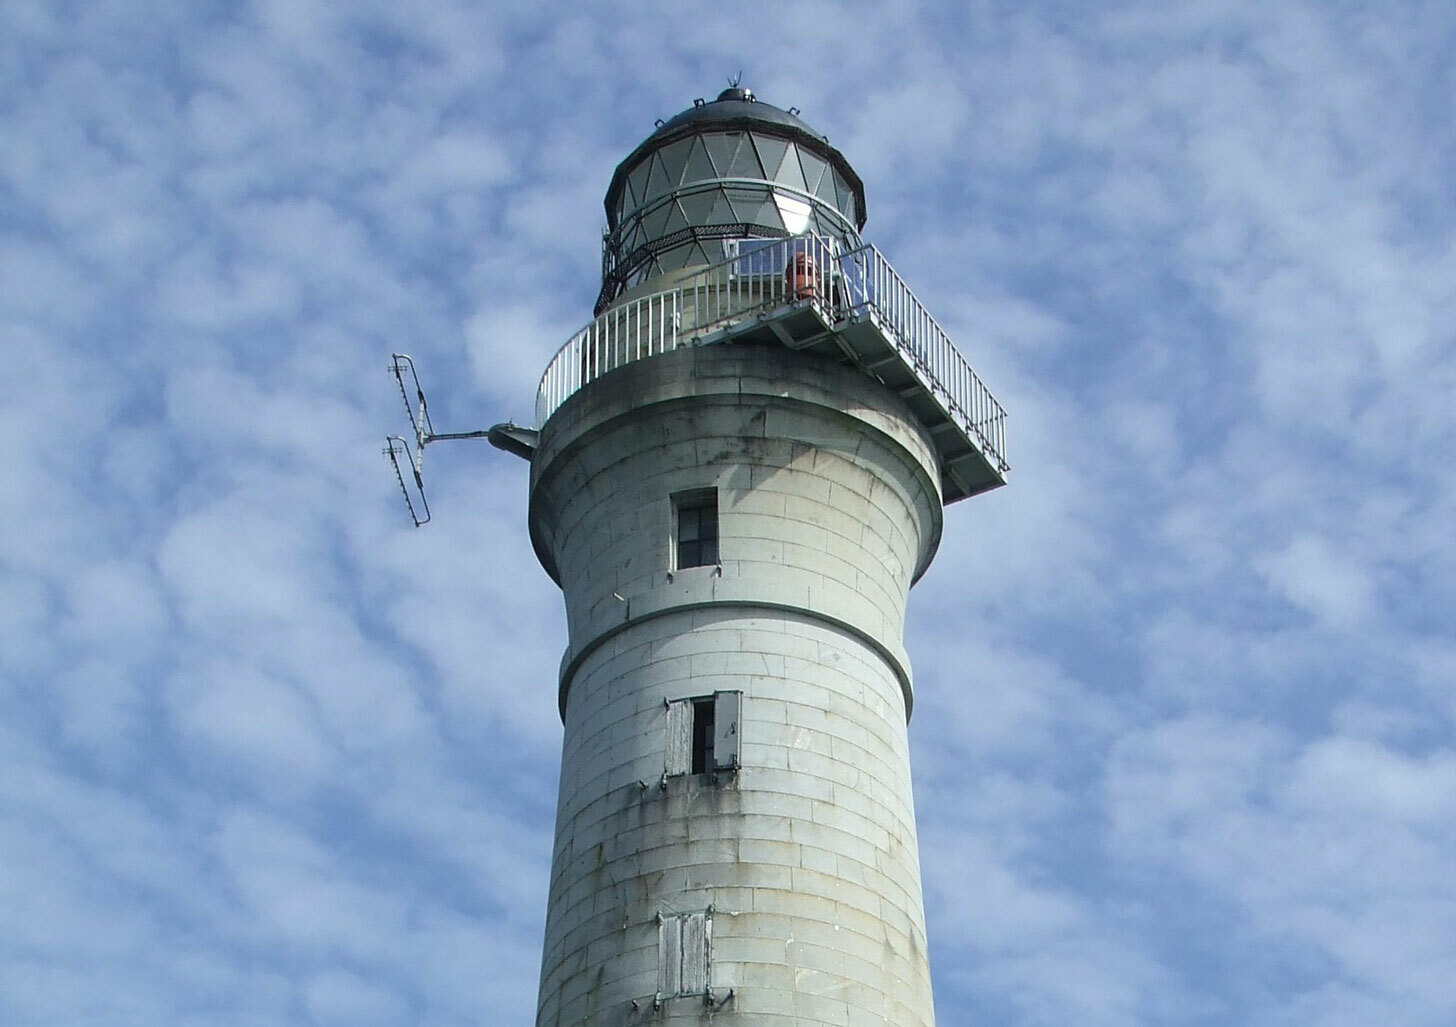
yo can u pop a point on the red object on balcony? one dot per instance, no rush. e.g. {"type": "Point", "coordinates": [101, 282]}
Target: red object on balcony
{"type": "Point", "coordinates": [802, 277]}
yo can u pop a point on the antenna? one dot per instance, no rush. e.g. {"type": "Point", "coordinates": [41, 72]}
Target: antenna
{"type": "Point", "coordinates": [507, 436]}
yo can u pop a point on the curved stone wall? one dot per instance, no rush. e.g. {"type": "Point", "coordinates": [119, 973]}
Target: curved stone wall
{"type": "Point", "coordinates": [803, 862]}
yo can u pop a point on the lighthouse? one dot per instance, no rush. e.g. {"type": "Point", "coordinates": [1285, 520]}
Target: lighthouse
{"type": "Point", "coordinates": [739, 469]}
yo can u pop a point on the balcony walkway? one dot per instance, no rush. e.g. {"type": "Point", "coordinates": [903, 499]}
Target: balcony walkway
{"type": "Point", "coordinates": [802, 294]}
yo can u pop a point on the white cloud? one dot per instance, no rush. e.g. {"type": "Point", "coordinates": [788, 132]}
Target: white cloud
{"type": "Point", "coordinates": [1182, 735]}
{"type": "Point", "coordinates": [234, 714]}
{"type": "Point", "coordinates": [341, 997]}
{"type": "Point", "coordinates": [1313, 575]}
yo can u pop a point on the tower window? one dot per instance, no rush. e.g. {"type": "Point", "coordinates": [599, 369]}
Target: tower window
{"type": "Point", "coordinates": [696, 516]}
{"type": "Point", "coordinates": [702, 734]}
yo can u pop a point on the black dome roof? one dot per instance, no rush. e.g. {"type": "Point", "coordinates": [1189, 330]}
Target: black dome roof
{"type": "Point", "coordinates": [735, 108]}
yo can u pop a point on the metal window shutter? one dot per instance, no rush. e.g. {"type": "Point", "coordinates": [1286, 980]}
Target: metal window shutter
{"type": "Point", "coordinates": [695, 953]}
{"type": "Point", "coordinates": [679, 747]}
{"type": "Point", "coordinates": [669, 955]}
{"type": "Point", "coordinates": [726, 715]}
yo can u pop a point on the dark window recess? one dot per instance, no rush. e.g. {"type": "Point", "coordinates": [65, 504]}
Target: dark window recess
{"type": "Point", "coordinates": [702, 734]}
{"type": "Point", "coordinates": [697, 529]}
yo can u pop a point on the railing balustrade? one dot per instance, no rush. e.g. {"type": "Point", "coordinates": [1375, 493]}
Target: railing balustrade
{"type": "Point", "coordinates": [766, 275]}
{"type": "Point", "coordinates": [877, 287]}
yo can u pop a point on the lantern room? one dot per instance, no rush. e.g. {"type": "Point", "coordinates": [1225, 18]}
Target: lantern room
{"type": "Point", "coordinates": [721, 172]}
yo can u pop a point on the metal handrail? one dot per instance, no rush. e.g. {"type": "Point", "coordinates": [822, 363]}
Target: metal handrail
{"type": "Point", "coordinates": [762, 276]}
{"type": "Point", "coordinates": [765, 276]}
{"type": "Point", "coordinates": [927, 349]}
{"type": "Point", "coordinates": [631, 331]}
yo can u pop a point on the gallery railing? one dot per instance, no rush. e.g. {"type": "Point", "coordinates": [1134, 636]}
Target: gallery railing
{"type": "Point", "coordinates": [761, 276]}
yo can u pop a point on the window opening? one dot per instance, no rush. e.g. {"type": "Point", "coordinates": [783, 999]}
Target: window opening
{"type": "Point", "coordinates": [702, 760]}
{"type": "Point", "coordinates": [697, 529]}
{"type": "Point", "coordinates": [702, 734]}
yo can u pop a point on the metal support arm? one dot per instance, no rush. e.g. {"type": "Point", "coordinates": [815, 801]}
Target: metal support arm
{"type": "Point", "coordinates": [509, 437]}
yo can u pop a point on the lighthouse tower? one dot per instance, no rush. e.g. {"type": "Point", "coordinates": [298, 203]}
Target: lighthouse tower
{"type": "Point", "coordinates": [740, 470]}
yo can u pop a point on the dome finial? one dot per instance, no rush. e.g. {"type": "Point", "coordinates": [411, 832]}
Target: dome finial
{"type": "Point", "coordinates": [736, 90]}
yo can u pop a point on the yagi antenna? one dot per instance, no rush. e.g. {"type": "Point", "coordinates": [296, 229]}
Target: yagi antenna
{"type": "Point", "coordinates": [508, 436]}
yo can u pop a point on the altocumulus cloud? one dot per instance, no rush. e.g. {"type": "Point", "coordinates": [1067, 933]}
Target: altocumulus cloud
{"type": "Point", "coordinates": [1184, 722]}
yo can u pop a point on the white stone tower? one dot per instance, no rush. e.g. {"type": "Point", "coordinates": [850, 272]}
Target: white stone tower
{"type": "Point", "coordinates": [740, 471]}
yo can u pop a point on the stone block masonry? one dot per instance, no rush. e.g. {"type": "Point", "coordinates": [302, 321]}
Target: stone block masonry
{"type": "Point", "coordinates": [790, 885]}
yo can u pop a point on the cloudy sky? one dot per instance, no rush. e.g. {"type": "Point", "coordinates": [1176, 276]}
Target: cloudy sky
{"type": "Point", "coordinates": [1184, 732]}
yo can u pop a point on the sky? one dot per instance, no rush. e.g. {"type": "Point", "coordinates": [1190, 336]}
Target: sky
{"type": "Point", "coordinates": [1183, 737]}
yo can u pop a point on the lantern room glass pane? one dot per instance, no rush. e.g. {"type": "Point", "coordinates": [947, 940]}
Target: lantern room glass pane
{"type": "Point", "coordinates": [697, 205]}
{"type": "Point", "coordinates": [636, 183]}
{"type": "Point", "coordinates": [722, 212]}
{"type": "Point", "coordinates": [795, 212]}
{"type": "Point", "coordinates": [654, 223]}
{"type": "Point", "coordinates": [699, 167]}
{"type": "Point", "coordinates": [745, 161]}
{"type": "Point", "coordinates": [674, 259]}
{"type": "Point", "coordinates": [825, 223]}
{"type": "Point", "coordinates": [771, 153]}
{"type": "Point", "coordinates": [657, 179]}
{"type": "Point", "coordinates": [825, 189]}
{"type": "Point", "coordinates": [790, 173]}
{"type": "Point", "coordinates": [767, 215]}
{"type": "Point", "coordinates": [674, 157]}
{"type": "Point", "coordinates": [675, 220]}
{"type": "Point", "coordinates": [844, 198]}
{"type": "Point", "coordinates": [746, 197]}
{"type": "Point", "coordinates": [814, 168]}
{"type": "Point", "coordinates": [721, 147]}
{"type": "Point", "coordinates": [746, 202]}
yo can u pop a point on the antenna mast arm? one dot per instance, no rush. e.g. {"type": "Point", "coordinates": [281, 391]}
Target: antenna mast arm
{"type": "Point", "coordinates": [508, 437]}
